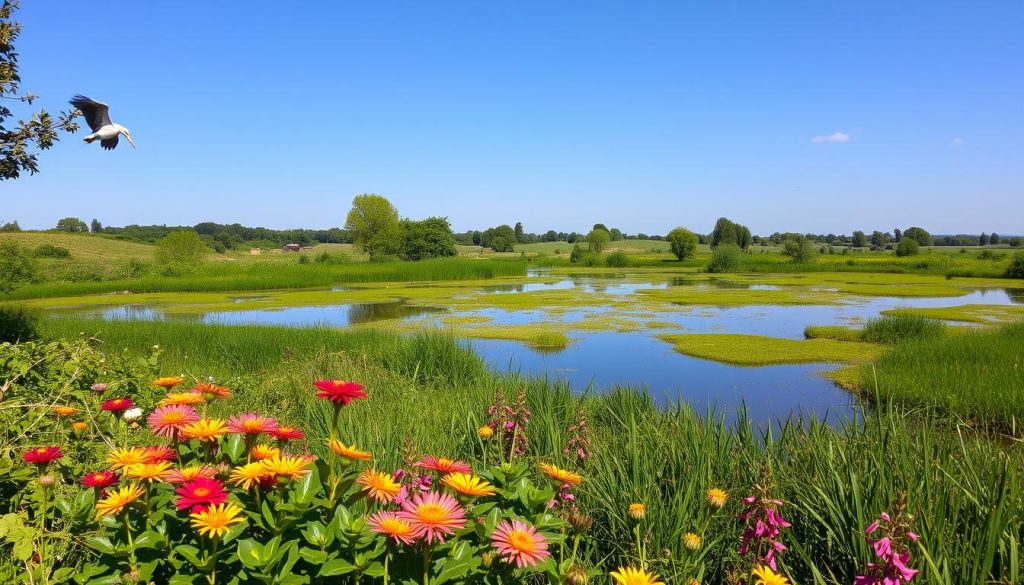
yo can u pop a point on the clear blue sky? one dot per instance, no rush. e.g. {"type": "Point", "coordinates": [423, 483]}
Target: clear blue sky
{"type": "Point", "coordinates": [785, 116]}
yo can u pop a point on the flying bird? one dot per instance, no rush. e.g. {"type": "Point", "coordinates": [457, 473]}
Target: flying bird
{"type": "Point", "coordinates": [97, 115]}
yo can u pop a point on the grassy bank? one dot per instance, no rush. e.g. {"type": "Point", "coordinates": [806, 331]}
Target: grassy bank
{"type": "Point", "coordinates": [757, 350]}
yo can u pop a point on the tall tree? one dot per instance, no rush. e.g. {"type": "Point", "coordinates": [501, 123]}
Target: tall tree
{"type": "Point", "coordinates": [598, 239]}
{"type": "Point", "coordinates": [983, 239]}
{"type": "Point", "coordinates": [95, 226]}
{"type": "Point", "coordinates": [519, 232]}
{"type": "Point", "coordinates": [859, 239]}
{"type": "Point", "coordinates": [993, 239]}
{"type": "Point", "coordinates": [374, 225]}
{"type": "Point", "coordinates": [430, 238]}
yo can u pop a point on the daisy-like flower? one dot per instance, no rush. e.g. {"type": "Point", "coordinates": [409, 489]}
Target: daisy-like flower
{"type": "Point", "coordinates": [245, 476]}
{"type": "Point", "coordinates": [766, 576]}
{"type": "Point", "coordinates": [468, 485]}
{"type": "Point", "coordinates": [289, 466]}
{"type": "Point", "coordinates": [79, 425]}
{"type": "Point", "coordinates": [156, 453]}
{"type": "Point", "coordinates": [287, 433]}
{"type": "Point", "coordinates": [127, 456]}
{"type": "Point", "coordinates": [63, 411]}
{"type": "Point", "coordinates": [99, 387]}
{"type": "Point", "coordinates": [349, 452]}
{"type": "Point", "coordinates": [717, 498]}
{"type": "Point", "coordinates": [200, 493]}
{"type": "Point", "coordinates": [168, 382]}
{"type": "Point", "coordinates": [212, 391]}
{"type": "Point", "coordinates": [205, 429]}
{"type": "Point", "coordinates": [691, 541]}
{"type": "Point", "coordinates": [182, 398]}
{"type": "Point", "coordinates": [215, 521]}
{"type": "Point", "coordinates": [261, 452]}
{"type": "Point", "coordinates": [560, 476]}
{"type": "Point", "coordinates": [100, 479]}
{"type": "Point", "coordinates": [433, 516]}
{"type": "Point", "coordinates": [191, 473]}
{"type": "Point", "coordinates": [167, 421]}
{"type": "Point", "coordinates": [485, 432]}
{"type": "Point", "coordinates": [132, 414]}
{"type": "Point", "coordinates": [520, 543]}
{"type": "Point", "coordinates": [443, 465]}
{"type": "Point", "coordinates": [390, 525]}
{"type": "Point", "coordinates": [637, 511]}
{"type": "Point", "coordinates": [631, 576]}
{"type": "Point", "coordinates": [378, 485]}
{"type": "Point", "coordinates": [250, 423]}
{"type": "Point", "coordinates": [117, 405]}
{"type": "Point", "coordinates": [42, 455]}
{"type": "Point", "coordinates": [340, 392]}
{"type": "Point", "coordinates": [151, 472]}
{"type": "Point", "coordinates": [116, 500]}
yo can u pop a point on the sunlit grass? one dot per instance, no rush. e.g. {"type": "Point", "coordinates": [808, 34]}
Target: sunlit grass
{"type": "Point", "coordinates": [756, 350]}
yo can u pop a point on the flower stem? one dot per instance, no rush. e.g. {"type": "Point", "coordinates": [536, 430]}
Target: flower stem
{"type": "Point", "coordinates": [426, 566]}
{"type": "Point", "coordinates": [131, 542]}
{"type": "Point", "coordinates": [387, 557]}
{"type": "Point", "coordinates": [42, 527]}
{"type": "Point", "coordinates": [213, 555]}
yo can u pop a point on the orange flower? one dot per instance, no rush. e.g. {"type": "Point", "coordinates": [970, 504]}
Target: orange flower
{"type": "Point", "coordinates": [79, 425]}
{"type": "Point", "coordinates": [261, 452]}
{"type": "Point", "coordinates": [126, 457]}
{"type": "Point", "coordinates": [560, 476]}
{"type": "Point", "coordinates": [389, 524]}
{"type": "Point", "coordinates": [379, 486]}
{"type": "Point", "coordinates": [205, 429]}
{"type": "Point", "coordinates": [169, 382]}
{"type": "Point", "coordinates": [288, 466]}
{"type": "Point", "coordinates": [216, 520]}
{"type": "Point", "coordinates": [468, 485]}
{"type": "Point", "coordinates": [443, 465]}
{"type": "Point", "coordinates": [348, 452]}
{"type": "Point", "coordinates": [64, 410]}
{"type": "Point", "coordinates": [191, 473]}
{"type": "Point", "coordinates": [212, 391]}
{"type": "Point", "coordinates": [150, 472]}
{"type": "Point", "coordinates": [250, 423]}
{"type": "Point", "coordinates": [157, 453]}
{"type": "Point", "coordinates": [117, 500]}
{"type": "Point", "coordinates": [182, 398]}
{"type": "Point", "coordinates": [250, 474]}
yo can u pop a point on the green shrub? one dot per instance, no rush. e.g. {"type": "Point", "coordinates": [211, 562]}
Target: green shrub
{"type": "Point", "coordinates": [183, 248]}
{"type": "Point", "coordinates": [725, 258]}
{"type": "Point", "coordinates": [799, 249]}
{"type": "Point", "coordinates": [683, 243]}
{"type": "Point", "coordinates": [339, 258]}
{"type": "Point", "coordinates": [907, 247]}
{"type": "Point", "coordinates": [16, 266]}
{"type": "Point", "coordinates": [304, 258]}
{"type": "Point", "coordinates": [618, 259]}
{"type": "Point", "coordinates": [51, 251]}
{"type": "Point", "coordinates": [893, 328]}
{"type": "Point", "coordinates": [1016, 267]}
{"type": "Point", "coordinates": [17, 324]}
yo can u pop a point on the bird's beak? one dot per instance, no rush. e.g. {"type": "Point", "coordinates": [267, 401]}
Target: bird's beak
{"type": "Point", "coordinates": [130, 141]}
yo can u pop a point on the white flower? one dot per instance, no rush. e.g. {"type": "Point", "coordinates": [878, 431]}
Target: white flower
{"type": "Point", "coordinates": [132, 414]}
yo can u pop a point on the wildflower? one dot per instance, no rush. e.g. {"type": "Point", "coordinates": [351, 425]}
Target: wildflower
{"type": "Point", "coordinates": [247, 475]}
{"type": "Point", "coordinates": [286, 466]}
{"type": "Point", "coordinates": [468, 485]}
{"type": "Point", "coordinates": [63, 411]}
{"type": "Point", "coordinates": [579, 522]}
{"type": "Point", "coordinates": [168, 383]}
{"type": "Point", "coordinates": [390, 525]}
{"type": "Point", "coordinates": [200, 493]}
{"type": "Point", "coordinates": [156, 453]}
{"type": "Point", "coordinates": [691, 541]}
{"type": "Point", "coordinates": [510, 421]}
{"type": "Point", "coordinates": [99, 387]}
{"type": "Point", "coordinates": [261, 452]}
{"type": "Point", "coordinates": [117, 405]}
{"type": "Point", "coordinates": [891, 547]}
{"type": "Point", "coordinates": [212, 391]}
{"type": "Point", "coordinates": [764, 524]}
{"type": "Point", "coordinates": [766, 576]}
{"type": "Point", "coordinates": [132, 414]}
{"type": "Point", "coordinates": [560, 476]}
{"type": "Point", "coordinates": [250, 423]}
{"type": "Point", "coordinates": [116, 500]}
{"type": "Point", "coordinates": [577, 575]}
{"type": "Point", "coordinates": [205, 429]}
{"type": "Point", "coordinates": [349, 452]}
{"type": "Point", "coordinates": [340, 392]}
{"type": "Point", "coordinates": [42, 455]}
{"type": "Point", "coordinates": [433, 516]}
{"type": "Point", "coordinates": [485, 432]}
{"type": "Point", "coordinates": [519, 543]}
{"type": "Point", "coordinates": [631, 576]}
{"type": "Point", "coordinates": [126, 457]}
{"type": "Point", "coordinates": [215, 520]}
{"type": "Point", "coordinates": [378, 486]}
{"type": "Point", "coordinates": [287, 433]}
{"type": "Point", "coordinates": [182, 398]}
{"type": "Point", "coordinates": [717, 498]}
{"type": "Point", "coordinates": [100, 479]}
{"type": "Point", "coordinates": [443, 465]}
{"type": "Point", "coordinates": [578, 445]}
{"type": "Point", "coordinates": [637, 511]}
{"type": "Point", "coordinates": [167, 421]}
{"type": "Point", "coordinates": [151, 472]}
{"type": "Point", "coordinates": [79, 426]}
{"type": "Point", "coordinates": [191, 473]}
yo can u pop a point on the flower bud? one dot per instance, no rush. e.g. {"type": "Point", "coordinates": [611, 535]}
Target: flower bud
{"type": "Point", "coordinates": [487, 559]}
{"type": "Point", "coordinates": [691, 541]}
{"type": "Point", "coordinates": [46, 480]}
{"type": "Point", "coordinates": [577, 575]}
{"type": "Point", "coordinates": [485, 432]}
{"type": "Point", "coordinates": [717, 498]}
{"type": "Point", "coordinates": [579, 522]}
{"type": "Point", "coordinates": [637, 511]}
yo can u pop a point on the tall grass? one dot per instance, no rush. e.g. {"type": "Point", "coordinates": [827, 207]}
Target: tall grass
{"type": "Point", "coordinates": [900, 327]}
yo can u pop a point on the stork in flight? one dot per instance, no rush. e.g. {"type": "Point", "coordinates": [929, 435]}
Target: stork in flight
{"type": "Point", "coordinates": [97, 115]}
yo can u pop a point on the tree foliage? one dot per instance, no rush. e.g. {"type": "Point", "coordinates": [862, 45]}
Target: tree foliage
{"type": "Point", "coordinates": [72, 225]}
{"type": "Point", "coordinates": [860, 240]}
{"type": "Point", "coordinates": [683, 243]}
{"type": "Point", "coordinates": [908, 246]}
{"type": "Point", "coordinates": [182, 248]}
{"type": "Point", "coordinates": [374, 225]}
{"type": "Point", "coordinates": [725, 258]}
{"type": "Point", "coordinates": [799, 249]}
{"type": "Point", "coordinates": [598, 239]}
{"type": "Point", "coordinates": [920, 235]}
{"type": "Point", "coordinates": [728, 232]}
{"type": "Point", "coordinates": [429, 238]}
{"type": "Point", "coordinates": [1016, 267]}
{"type": "Point", "coordinates": [16, 266]}
{"type": "Point", "coordinates": [499, 239]}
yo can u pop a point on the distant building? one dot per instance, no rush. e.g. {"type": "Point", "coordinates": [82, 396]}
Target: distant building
{"type": "Point", "coordinates": [291, 248]}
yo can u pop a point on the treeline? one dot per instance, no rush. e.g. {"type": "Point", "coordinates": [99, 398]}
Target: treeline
{"type": "Point", "coordinates": [504, 237]}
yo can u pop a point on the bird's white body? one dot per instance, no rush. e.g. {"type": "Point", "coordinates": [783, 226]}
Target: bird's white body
{"type": "Point", "coordinates": [103, 129]}
{"type": "Point", "coordinates": [106, 132]}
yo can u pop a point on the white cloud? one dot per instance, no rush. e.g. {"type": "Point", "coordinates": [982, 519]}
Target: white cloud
{"type": "Point", "coordinates": [959, 141]}
{"type": "Point", "coordinates": [834, 137]}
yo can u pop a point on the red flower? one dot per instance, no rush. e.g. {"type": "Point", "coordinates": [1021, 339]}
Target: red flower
{"type": "Point", "coordinates": [158, 453]}
{"type": "Point", "coordinates": [339, 391]}
{"type": "Point", "coordinates": [117, 404]}
{"type": "Point", "coordinates": [250, 423]}
{"type": "Point", "coordinates": [200, 493]}
{"type": "Point", "coordinates": [286, 433]}
{"type": "Point", "coordinates": [100, 479]}
{"type": "Point", "coordinates": [42, 455]}
{"type": "Point", "coordinates": [443, 465]}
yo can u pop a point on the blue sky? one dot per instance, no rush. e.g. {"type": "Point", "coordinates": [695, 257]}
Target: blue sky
{"type": "Point", "coordinates": [785, 116]}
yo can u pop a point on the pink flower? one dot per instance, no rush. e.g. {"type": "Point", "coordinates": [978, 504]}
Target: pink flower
{"type": "Point", "coordinates": [250, 423]}
{"type": "Point", "coordinates": [520, 543]}
{"type": "Point", "coordinates": [433, 516]}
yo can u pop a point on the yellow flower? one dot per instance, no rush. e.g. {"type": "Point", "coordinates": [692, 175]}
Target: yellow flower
{"type": "Point", "coordinates": [468, 485]}
{"type": "Point", "coordinates": [261, 452]}
{"type": "Point", "coordinates": [691, 541]}
{"type": "Point", "coordinates": [485, 432]}
{"type": "Point", "coordinates": [286, 466]}
{"type": "Point", "coordinates": [117, 499]}
{"type": "Point", "coordinates": [150, 472]}
{"type": "Point", "coordinates": [249, 474]}
{"type": "Point", "coordinates": [717, 497]}
{"type": "Point", "coordinates": [64, 410]}
{"type": "Point", "coordinates": [631, 576]}
{"type": "Point", "coordinates": [560, 476]}
{"type": "Point", "coordinates": [379, 486]}
{"type": "Point", "coordinates": [766, 576]}
{"type": "Point", "coordinates": [79, 425]}
{"type": "Point", "coordinates": [169, 382]}
{"type": "Point", "coordinates": [349, 452]}
{"type": "Point", "coordinates": [215, 520]}
{"type": "Point", "coordinates": [186, 398]}
{"type": "Point", "coordinates": [637, 511]}
{"type": "Point", "coordinates": [126, 457]}
{"type": "Point", "coordinates": [205, 429]}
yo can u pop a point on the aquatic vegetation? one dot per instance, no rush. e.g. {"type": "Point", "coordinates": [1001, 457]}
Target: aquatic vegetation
{"type": "Point", "coordinates": [983, 314]}
{"type": "Point", "coordinates": [756, 350]}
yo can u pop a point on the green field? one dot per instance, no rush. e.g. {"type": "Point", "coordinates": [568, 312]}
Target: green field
{"type": "Point", "coordinates": [84, 246]}
{"type": "Point", "coordinates": [628, 246]}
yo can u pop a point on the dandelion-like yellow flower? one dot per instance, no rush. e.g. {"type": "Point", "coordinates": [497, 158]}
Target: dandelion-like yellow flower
{"type": "Point", "coordinates": [485, 432]}
{"type": "Point", "coordinates": [245, 476]}
{"type": "Point", "coordinates": [691, 541]}
{"type": "Point", "coordinates": [637, 511]}
{"type": "Point", "coordinates": [116, 500]}
{"type": "Point", "coordinates": [717, 498]}
{"type": "Point", "coordinates": [632, 576]}
{"type": "Point", "coordinates": [468, 485]}
{"type": "Point", "coordinates": [151, 472]}
{"type": "Point", "coordinates": [378, 486]}
{"type": "Point", "coordinates": [64, 410]}
{"type": "Point", "coordinates": [766, 576]}
{"type": "Point", "coordinates": [288, 466]}
{"type": "Point", "coordinates": [349, 452]}
{"type": "Point", "coordinates": [182, 398]}
{"type": "Point", "coordinates": [205, 429]}
{"type": "Point", "coordinates": [560, 476]}
{"type": "Point", "coordinates": [79, 425]}
{"type": "Point", "coordinates": [261, 452]}
{"type": "Point", "coordinates": [215, 520]}
{"type": "Point", "coordinates": [168, 382]}
{"type": "Point", "coordinates": [125, 457]}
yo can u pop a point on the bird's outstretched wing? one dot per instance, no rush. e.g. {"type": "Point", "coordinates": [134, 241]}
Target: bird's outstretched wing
{"type": "Point", "coordinates": [96, 113]}
{"type": "Point", "coordinates": [109, 143]}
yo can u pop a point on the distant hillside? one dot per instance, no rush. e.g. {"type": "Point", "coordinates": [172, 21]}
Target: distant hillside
{"type": "Point", "coordinates": [83, 245]}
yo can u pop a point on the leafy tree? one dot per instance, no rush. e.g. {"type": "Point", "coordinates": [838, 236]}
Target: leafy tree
{"type": "Point", "coordinates": [519, 234]}
{"type": "Point", "coordinates": [725, 258]}
{"type": "Point", "coordinates": [1016, 268]}
{"type": "Point", "coordinates": [727, 232]}
{"type": "Point", "coordinates": [19, 142]}
{"type": "Point", "coordinates": [859, 239]}
{"type": "Point", "coordinates": [430, 238]}
{"type": "Point", "coordinates": [799, 249]}
{"type": "Point", "coordinates": [616, 234]}
{"type": "Point", "coordinates": [572, 237]}
{"type": "Point", "coordinates": [16, 266]}
{"type": "Point", "coordinates": [600, 226]}
{"type": "Point", "coordinates": [983, 239]}
{"type": "Point", "coordinates": [374, 226]}
{"type": "Point", "coordinates": [181, 248]}
{"type": "Point", "coordinates": [499, 239]}
{"type": "Point", "coordinates": [550, 236]}
{"type": "Point", "coordinates": [73, 225]}
{"type": "Point", "coordinates": [920, 235]}
{"type": "Point", "coordinates": [1014, 242]}
{"type": "Point", "coordinates": [95, 226]}
{"type": "Point", "coordinates": [896, 233]}
{"type": "Point", "coordinates": [11, 226]}
{"type": "Point", "coordinates": [879, 239]}
{"type": "Point", "coordinates": [908, 246]}
{"type": "Point", "coordinates": [683, 242]}
{"type": "Point", "coordinates": [993, 239]}
{"type": "Point", "coordinates": [598, 239]}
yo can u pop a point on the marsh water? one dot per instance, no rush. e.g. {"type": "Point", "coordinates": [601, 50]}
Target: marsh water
{"type": "Point", "coordinates": [599, 360]}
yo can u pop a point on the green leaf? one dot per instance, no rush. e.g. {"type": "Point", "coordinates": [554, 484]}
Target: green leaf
{"type": "Point", "coordinates": [313, 556]}
{"type": "Point", "coordinates": [189, 553]}
{"type": "Point", "coordinates": [101, 544]}
{"type": "Point", "coordinates": [308, 487]}
{"type": "Point", "coordinates": [235, 448]}
{"type": "Point", "coordinates": [149, 539]}
{"type": "Point", "coordinates": [336, 567]}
